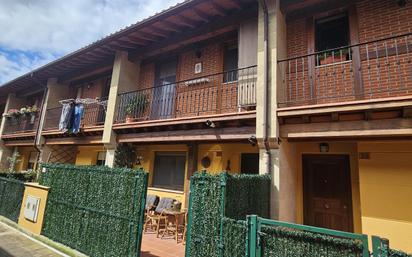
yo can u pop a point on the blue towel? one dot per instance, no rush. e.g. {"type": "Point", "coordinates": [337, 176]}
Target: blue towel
{"type": "Point", "coordinates": [78, 114]}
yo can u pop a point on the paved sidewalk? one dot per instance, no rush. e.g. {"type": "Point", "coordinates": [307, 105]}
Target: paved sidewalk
{"type": "Point", "coordinates": [15, 244]}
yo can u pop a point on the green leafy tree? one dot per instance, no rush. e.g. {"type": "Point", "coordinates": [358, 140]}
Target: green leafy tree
{"type": "Point", "coordinates": [13, 160]}
{"type": "Point", "coordinates": [125, 156]}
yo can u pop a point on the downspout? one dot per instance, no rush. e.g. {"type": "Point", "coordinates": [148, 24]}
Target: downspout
{"type": "Point", "coordinates": [268, 163]}
{"type": "Point", "coordinates": [40, 116]}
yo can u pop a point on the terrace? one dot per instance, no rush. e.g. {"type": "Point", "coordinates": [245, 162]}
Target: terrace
{"type": "Point", "coordinates": [369, 71]}
{"type": "Point", "coordinates": [222, 93]}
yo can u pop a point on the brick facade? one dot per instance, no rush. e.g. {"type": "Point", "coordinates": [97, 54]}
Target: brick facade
{"type": "Point", "coordinates": [383, 69]}
{"type": "Point", "coordinates": [186, 98]}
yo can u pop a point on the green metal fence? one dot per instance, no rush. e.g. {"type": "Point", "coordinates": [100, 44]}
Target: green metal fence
{"type": "Point", "coordinates": [380, 248]}
{"type": "Point", "coordinates": [219, 225]}
{"type": "Point", "coordinates": [270, 238]}
{"type": "Point", "coordinates": [214, 197]}
{"type": "Point", "coordinates": [11, 197]}
{"type": "Point", "coordinates": [96, 210]}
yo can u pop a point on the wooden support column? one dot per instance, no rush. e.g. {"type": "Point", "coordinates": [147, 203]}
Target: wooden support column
{"type": "Point", "coordinates": [192, 155]}
{"type": "Point", "coordinates": [354, 39]}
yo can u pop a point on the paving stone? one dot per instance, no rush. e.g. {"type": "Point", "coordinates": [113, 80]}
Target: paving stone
{"type": "Point", "coordinates": [15, 244]}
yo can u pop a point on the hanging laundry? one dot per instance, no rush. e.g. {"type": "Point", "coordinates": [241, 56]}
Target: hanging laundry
{"type": "Point", "coordinates": [77, 117]}
{"type": "Point", "coordinates": [65, 117]}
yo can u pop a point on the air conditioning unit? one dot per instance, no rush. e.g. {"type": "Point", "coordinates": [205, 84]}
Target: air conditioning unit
{"type": "Point", "coordinates": [246, 90]}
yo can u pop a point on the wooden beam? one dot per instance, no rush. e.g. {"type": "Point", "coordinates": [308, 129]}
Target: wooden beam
{"type": "Point", "coordinates": [218, 9]}
{"type": "Point", "coordinates": [181, 20]}
{"type": "Point", "coordinates": [223, 134]}
{"type": "Point", "coordinates": [354, 129]}
{"type": "Point", "coordinates": [375, 104]}
{"type": "Point", "coordinates": [208, 30]}
{"type": "Point", "coordinates": [88, 140]}
{"type": "Point", "coordinates": [133, 40]}
{"type": "Point", "coordinates": [171, 26]}
{"type": "Point", "coordinates": [160, 32]}
{"type": "Point", "coordinates": [145, 36]}
{"type": "Point", "coordinates": [235, 4]}
{"type": "Point", "coordinates": [204, 17]}
{"type": "Point", "coordinates": [87, 71]}
{"type": "Point", "coordinates": [19, 142]}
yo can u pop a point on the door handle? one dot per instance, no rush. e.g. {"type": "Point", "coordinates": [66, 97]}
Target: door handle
{"type": "Point", "coordinates": [327, 206]}
{"type": "Point", "coordinates": [345, 207]}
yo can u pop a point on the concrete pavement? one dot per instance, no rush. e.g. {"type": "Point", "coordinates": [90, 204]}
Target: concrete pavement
{"type": "Point", "coordinates": [15, 244]}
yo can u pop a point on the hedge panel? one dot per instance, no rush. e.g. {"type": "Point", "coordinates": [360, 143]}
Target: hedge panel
{"type": "Point", "coordinates": [286, 242]}
{"type": "Point", "coordinates": [96, 210]}
{"type": "Point", "coordinates": [206, 214]}
{"type": "Point", "coordinates": [247, 194]}
{"type": "Point", "coordinates": [11, 197]}
{"type": "Point", "coordinates": [217, 201]}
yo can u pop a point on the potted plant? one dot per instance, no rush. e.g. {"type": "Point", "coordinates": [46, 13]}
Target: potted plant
{"type": "Point", "coordinates": [13, 113]}
{"type": "Point", "coordinates": [136, 107]}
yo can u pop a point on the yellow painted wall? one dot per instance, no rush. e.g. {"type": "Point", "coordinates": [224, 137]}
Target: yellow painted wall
{"type": "Point", "coordinates": [218, 153]}
{"type": "Point", "coordinates": [87, 155]}
{"type": "Point", "coordinates": [34, 189]}
{"type": "Point", "coordinates": [24, 157]}
{"type": "Point", "coordinates": [148, 153]}
{"type": "Point", "coordinates": [386, 191]}
{"type": "Point", "coordinates": [334, 148]}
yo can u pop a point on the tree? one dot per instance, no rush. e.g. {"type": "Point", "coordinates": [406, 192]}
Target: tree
{"type": "Point", "coordinates": [13, 160]}
{"type": "Point", "coordinates": [125, 156]}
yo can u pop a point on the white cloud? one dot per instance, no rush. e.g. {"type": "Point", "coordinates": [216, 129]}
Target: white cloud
{"type": "Point", "coordinates": [51, 28]}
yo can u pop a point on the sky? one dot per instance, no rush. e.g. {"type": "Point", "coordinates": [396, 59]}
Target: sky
{"type": "Point", "coordinates": [36, 32]}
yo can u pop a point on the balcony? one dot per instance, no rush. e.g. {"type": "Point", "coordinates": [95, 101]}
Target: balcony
{"type": "Point", "coordinates": [94, 115]}
{"type": "Point", "coordinates": [367, 71]}
{"type": "Point", "coordinates": [22, 123]}
{"type": "Point", "coordinates": [228, 92]}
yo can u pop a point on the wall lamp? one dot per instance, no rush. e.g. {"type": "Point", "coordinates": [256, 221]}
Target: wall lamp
{"type": "Point", "coordinates": [210, 124]}
{"type": "Point", "coordinates": [252, 140]}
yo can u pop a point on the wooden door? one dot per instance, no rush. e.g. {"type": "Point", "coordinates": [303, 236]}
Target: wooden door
{"type": "Point", "coordinates": [327, 192]}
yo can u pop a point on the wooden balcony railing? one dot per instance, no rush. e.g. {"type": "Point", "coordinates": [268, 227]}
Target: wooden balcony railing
{"type": "Point", "coordinates": [93, 115]}
{"type": "Point", "coordinates": [226, 92]}
{"type": "Point", "coordinates": [376, 69]}
{"type": "Point", "coordinates": [23, 123]}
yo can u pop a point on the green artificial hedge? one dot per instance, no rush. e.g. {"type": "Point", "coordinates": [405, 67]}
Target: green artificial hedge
{"type": "Point", "coordinates": [25, 177]}
{"type": "Point", "coordinates": [214, 197]}
{"type": "Point", "coordinates": [285, 242]}
{"type": "Point", "coordinates": [234, 237]}
{"type": "Point", "coordinates": [396, 253]}
{"type": "Point", "coordinates": [206, 214]}
{"type": "Point", "coordinates": [247, 194]}
{"type": "Point", "coordinates": [94, 209]}
{"type": "Point", "coordinates": [11, 197]}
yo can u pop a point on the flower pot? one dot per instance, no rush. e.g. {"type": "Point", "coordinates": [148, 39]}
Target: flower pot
{"type": "Point", "coordinates": [129, 119]}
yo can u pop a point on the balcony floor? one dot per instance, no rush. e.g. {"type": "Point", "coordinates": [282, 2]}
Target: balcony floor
{"type": "Point", "coordinates": [157, 247]}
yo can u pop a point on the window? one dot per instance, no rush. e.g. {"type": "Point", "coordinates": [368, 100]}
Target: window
{"type": "Point", "coordinates": [249, 163]}
{"type": "Point", "coordinates": [230, 63]}
{"type": "Point", "coordinates": [169, 171]}
{"type": "Point", "coordinates": [32, 160]}
{"type": "Point", "coordinates": [101, 159]}
{"type": "Point", "coordinates": [331, 33]}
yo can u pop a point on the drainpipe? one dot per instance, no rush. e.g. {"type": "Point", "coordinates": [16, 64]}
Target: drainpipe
{"type": "Point", "coordinates": [40, 116]}
{"type": "Point", "coordinates": [268, 163]}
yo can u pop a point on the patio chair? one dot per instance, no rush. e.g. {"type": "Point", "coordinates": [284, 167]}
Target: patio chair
{"type": "Point", "coordinates": [151, 202]}
{"type": "Point", "coordinates": [156, 218]}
